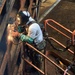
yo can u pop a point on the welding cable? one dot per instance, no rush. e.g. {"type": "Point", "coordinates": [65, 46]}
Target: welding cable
{"type": "Point", "coordinates": [49, 41]}
{"type": "Point", "coordinates": [58, 49]}
{"type": "Point", "coordinates": [67, 47]}
{"type": "Point", "coordinates": [69, 44]}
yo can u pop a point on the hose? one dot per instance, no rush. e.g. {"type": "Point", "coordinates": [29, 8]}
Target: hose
{"type": "Point", "coordinates": [58, 49]}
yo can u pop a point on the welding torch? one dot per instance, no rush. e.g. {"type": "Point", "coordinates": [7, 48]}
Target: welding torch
{"type": "Point", "coordinates": [14, 28]}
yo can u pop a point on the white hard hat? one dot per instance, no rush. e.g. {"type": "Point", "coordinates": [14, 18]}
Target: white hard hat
{"type": "Point", "coordinates": [26, 13]}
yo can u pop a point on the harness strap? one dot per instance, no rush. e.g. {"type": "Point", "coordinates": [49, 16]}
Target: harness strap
{"type": "Point", "coordinates": [31, 23]}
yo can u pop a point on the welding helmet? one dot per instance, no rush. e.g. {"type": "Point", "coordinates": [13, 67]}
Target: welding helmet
{"type": "Point", "coordinates": [24, 17]}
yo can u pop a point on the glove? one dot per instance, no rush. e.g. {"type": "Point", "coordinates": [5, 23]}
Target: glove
{"type": "Point", "coordinates": [26, 38]}
{"type": "Point", "coordinates": [20, 29]}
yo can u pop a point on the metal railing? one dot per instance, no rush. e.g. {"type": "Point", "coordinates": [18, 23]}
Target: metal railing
{"type": "Point", "coordinates": [13, 56]}
{"type": "Point", "coordinates": [65, 35]}
{"type": "Point", "coordinates": [52, 24]}
{"type": "Point", "coordinates": [45, 73]}
{"type": "Point", "coordinates": [47, 23]}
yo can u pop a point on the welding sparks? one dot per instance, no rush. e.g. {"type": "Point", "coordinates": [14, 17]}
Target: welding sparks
{"type": "Point", "coordinates": [10, 38]}
{"type": "Point", "coordinates": [9, 31]}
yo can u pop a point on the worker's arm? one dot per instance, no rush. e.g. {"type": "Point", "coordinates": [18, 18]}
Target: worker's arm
{"type": "Point", "coordinates": [23, 37]}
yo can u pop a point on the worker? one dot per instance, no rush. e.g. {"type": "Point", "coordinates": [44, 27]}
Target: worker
{"type": "Point", "coordinates": [34, 36]}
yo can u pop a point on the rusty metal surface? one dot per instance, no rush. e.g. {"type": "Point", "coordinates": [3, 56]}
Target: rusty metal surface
{"type": "Point", "coordinates": [3, 42]}
{"type": "Point", "coordinates": [2, 47]}
{"type": "Point", "coordinates": [2, 3]}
